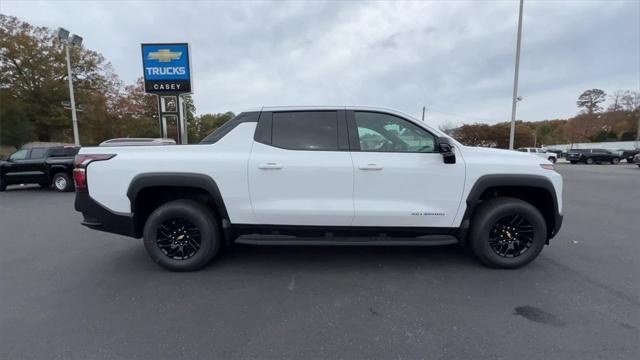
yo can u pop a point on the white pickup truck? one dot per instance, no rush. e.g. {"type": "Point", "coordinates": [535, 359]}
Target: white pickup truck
{"type": "Point", "coordinates": [321, 175]}
{"type": "Point", "coordinates": [553, 157]}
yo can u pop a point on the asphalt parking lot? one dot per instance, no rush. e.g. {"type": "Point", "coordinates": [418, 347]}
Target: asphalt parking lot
{"type": "Point", "coordinates": [70, 292]}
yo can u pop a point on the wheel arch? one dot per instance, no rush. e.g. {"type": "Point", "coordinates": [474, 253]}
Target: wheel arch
{"type": "Point", "coordinates": [534, 189]}
{"type": "Point", "coordinates": [54, 169]}
{"type": "Point", "coordinates": [149, 190]}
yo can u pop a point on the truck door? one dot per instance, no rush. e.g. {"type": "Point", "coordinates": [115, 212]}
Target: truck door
{"type": "Point", "coordinates": [400, 177]}
{"type": "Point", "coordinates": [17, 167]}
{"type": "Point", "coordinates": [300, 169]}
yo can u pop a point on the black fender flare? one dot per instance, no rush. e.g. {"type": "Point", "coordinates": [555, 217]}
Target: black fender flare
{"type": "Point", "coordinates": [488, 181]}
{"type": "Point", "coordinates": [193, 180]}
{"type": "Point", "coordinates": [53, 169]}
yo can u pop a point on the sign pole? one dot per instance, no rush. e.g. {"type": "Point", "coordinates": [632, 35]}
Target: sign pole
{"type": "Point", "coordinates": [182, 121]}
{"type": "Point", "coordinates": [160, 118]}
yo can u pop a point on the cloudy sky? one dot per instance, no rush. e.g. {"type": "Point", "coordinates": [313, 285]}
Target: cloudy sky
{"type": "Point", "coordinates": [456, 58]}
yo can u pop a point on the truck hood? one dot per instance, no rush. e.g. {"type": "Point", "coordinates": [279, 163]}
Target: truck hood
{"type": "Point", "coordinates": [501, 155]}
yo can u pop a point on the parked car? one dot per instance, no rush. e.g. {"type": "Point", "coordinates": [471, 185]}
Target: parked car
{"type": "Point", "coordinates": [559, 153]}
{"type": "Point", "coordinates": [636, 159]}
{"type": "Point", "coordinates": [321, 175]}
{"type": "Point", "coordinates": [551, 156]}
{"type": "Point", "coordinates": [629, 154]}
{"type": "Point", "coordinates": [591, 156]}
{"type": "Point", "coordinates": [39, 165]}
{"type": "Point", "coordinates": [137, 142]}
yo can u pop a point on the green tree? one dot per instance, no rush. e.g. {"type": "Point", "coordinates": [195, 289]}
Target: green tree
{"type": "Point", "coordinates": [15, 128]}
{"type": "Point", "coordinates": [590, 100]}
{"type": "Point", "coordinates": [203, 125]}
{"type": "Point", "coordinates": [32, 65]}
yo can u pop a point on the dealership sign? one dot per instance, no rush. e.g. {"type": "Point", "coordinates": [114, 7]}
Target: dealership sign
{"type": "Point", "coordinates": [166, 68]}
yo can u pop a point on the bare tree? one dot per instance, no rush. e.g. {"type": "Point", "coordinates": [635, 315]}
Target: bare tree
{"type": "Point", "coordinates": [616, 99]}
{"type": "Point", "coordinates": [630, 101]}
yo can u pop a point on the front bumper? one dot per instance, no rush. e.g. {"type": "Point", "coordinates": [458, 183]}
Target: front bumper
{"type": "Point", "coordinates": [98, 217]}
{"type": "Point", "coordinates": [557, 224]}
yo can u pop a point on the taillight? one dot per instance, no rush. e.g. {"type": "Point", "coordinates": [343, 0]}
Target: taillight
{"type": "Point", "coordinates": [80, 170]}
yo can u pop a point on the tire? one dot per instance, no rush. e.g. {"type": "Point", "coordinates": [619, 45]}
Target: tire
{"type": "Point", "coordinates": [573, 162]}
{"type": "Point", "coordinates": [615, 161]}
{"type": "Point", "coordinates": [175, 251]}
{"type": "Point", "coordinates": [489, 223]}
{"type": "Point", "coordinates": [3, 184]}
{"type": "Point", "coordinates": [61, 182]}
{"type": "Point", "coordinates": [553, 160]}
{"type": "Point", "coordinates": [589, 161]}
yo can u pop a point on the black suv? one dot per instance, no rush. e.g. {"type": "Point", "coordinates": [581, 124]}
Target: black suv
{"type": "Point", "coordinates": [590, 156]}
{"type": "Point", "coordinates": [39, 165]}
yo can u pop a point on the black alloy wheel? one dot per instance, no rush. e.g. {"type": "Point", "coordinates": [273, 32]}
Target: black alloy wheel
{"type": "Point", "coordinates": [507, 233]}
{"type": "Point", "coordinates": [182, 235]}
{"type": "Point", "coordinates": [511, 236]}
{"type": "Point", "coordinates": [178, 238]}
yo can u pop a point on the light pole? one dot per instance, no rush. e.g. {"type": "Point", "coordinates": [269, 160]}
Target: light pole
{"type": "Point", "coordinates": [515, 81]}
{"type": "Point", "coordinates": [73, 40]}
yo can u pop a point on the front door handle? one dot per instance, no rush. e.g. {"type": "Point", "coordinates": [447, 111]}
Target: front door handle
{"type": "Point", "coordinates": [270, 166]}
{"type": "Point", "coordinates": [370, 167]}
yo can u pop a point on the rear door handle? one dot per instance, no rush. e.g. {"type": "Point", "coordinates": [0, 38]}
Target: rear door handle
{"type": "Point", "coordinates": [270, 166]}
{"type": "Point", "coordinates": [370, 167]}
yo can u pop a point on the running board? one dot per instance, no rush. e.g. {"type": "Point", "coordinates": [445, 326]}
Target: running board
{"type": "Point", "coordinates": [426, 240]}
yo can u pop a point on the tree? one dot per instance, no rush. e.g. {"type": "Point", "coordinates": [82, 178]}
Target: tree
{"type": "Point", "coordinates": [32, 66]}
{"type": "Point", "coordinates": [616, 99]}
{"type": "Point", "coordinates": [630, 101]}
{"type": "Point", "coordinates": [204, 125]}
{"type": "Point", "coordinates": [590, 100]}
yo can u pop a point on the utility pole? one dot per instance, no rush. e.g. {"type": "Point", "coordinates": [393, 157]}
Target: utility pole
{"type": "Point", "coordinates": [424, 109]}
{"type": "Point", "coordinates": [73, 40]}
{"type": "Point", "coordinates": [515, 81]}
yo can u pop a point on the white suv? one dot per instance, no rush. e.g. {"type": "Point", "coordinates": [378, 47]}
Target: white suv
{"type": "Point", "coordinates": [321, 175]}
{"type": "Point", "coordinates": [553, 157]}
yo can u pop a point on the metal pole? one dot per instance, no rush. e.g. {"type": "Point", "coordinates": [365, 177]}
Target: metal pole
{"type": "Point", "coordinates": [182, 128]}
{"type": "Point", "coordinates": [162, 132]}
{"type": "Point", "coordinates": [424, 108]}
{"type": "Point", "coordinates": [74, 118]}
{"type": "Point", "coordinates": [515, 81]}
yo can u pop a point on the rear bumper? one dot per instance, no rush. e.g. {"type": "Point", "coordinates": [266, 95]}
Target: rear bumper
{"type": "Point", "coordinates": [98, 217]}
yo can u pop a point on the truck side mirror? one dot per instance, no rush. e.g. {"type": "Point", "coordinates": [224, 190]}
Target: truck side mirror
{"type": "Point", "coordinates": [445, 148]}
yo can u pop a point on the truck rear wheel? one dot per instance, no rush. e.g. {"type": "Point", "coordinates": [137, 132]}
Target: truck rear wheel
{"type": "Point", "coordinates": [182, 235]}
{"type": "Point", "coordinates": [62, 182]}
{"type": "Point", "coordinates": [507, 233]}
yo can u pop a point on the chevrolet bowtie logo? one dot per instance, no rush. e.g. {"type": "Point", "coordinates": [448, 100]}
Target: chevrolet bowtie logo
{"type": "Point", "coordinates": [165, 55]}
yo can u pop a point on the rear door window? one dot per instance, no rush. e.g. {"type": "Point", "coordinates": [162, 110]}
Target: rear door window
{"type": "Point", "coordinates": [37, 153]}
{"type": "Point", "coordinates": [305, 130]}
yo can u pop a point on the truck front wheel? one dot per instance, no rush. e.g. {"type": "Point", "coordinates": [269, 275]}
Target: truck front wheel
{"type": "Point", "coordinates": [182, 235]}
{"type": "Point", "coordinates": [507, 233]}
